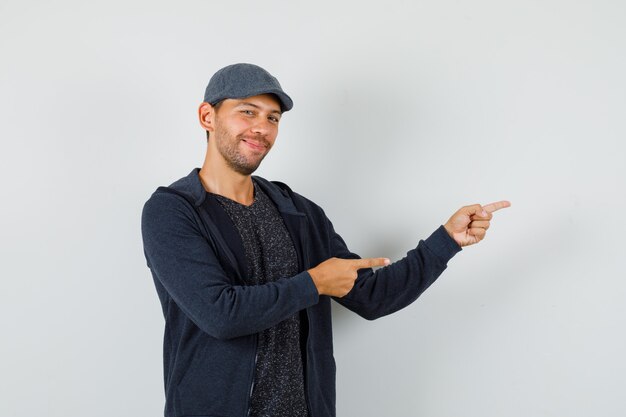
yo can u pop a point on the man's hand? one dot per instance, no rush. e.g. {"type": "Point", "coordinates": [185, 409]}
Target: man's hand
{"type": "Point", "coordinates": [469, 225]}
{"type": "Point", "coordinates": [335, 277]}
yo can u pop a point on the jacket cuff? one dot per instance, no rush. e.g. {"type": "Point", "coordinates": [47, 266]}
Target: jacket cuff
{"type": "Point", "coordinates": [442, 245]}
{"type": "Point", "coordinates": [310, 292]}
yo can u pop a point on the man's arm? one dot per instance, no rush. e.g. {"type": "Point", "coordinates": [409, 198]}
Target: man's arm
{"type": "Point", "coordinates": [382, 292]}
{"type": "Point", "coordinates": [391, 288]}
{"type": "Point", "coordinates": [186, 265]}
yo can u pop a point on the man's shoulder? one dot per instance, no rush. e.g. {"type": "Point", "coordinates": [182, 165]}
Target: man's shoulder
{"type": "Point", "coordinates": [179, 200]}
{"type": "Point", "coordinates": [188, 188]}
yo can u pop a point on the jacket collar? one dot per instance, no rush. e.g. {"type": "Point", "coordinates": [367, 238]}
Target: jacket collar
{"type": "Point", "coordinates": [279, 193]}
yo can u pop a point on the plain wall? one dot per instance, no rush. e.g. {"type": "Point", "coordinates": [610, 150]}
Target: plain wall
{"type": "Point", "coordinates": [404, 111]}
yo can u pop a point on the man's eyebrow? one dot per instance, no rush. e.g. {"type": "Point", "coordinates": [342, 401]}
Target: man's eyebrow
{"type": "Point", "coordinates": [247, 103]}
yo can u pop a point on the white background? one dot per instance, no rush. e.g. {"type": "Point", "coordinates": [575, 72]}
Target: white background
{"type": "Point", "coordinates": [404, 111]}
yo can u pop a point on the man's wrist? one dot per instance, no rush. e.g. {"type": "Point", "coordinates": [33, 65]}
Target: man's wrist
{"type": "Point", "coordinates": [442, 244]}
{"type": "Point", "coordinates": [312, 274]}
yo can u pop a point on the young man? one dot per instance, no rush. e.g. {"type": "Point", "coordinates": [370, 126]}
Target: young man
{"type": "Point", "coordinates": [245, 269]}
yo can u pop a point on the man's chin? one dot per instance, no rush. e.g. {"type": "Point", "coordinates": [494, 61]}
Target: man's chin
{"type": "Point", "coordinates": [245, 169]}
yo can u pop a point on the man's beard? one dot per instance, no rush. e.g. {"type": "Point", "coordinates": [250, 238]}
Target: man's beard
{"type": "Point", "coordinates": [228, 146]}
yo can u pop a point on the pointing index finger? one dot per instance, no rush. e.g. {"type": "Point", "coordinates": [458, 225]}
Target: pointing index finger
{"type": "Point", "coordinates": [490, 208]}
{"type": "Point", "coordinates": [370, 262]}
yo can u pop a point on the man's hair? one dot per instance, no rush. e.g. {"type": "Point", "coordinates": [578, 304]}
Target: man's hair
{"type": "Point", "coordinates": [216, 106]}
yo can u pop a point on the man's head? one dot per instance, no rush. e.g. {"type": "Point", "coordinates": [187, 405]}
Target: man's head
{"type": "Point", "coordinates": [242, 106]}
{"type": "Point", "coordinates": [244, 80]}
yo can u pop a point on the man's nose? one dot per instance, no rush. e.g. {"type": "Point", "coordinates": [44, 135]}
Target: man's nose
{"type": "Point", "coordinates": [262, 125]}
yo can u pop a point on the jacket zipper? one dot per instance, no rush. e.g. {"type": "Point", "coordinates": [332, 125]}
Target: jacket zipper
{"type": "Point", "coordinates": [256, 357]}
{"type": "Point", "coordinates": [306, 360]}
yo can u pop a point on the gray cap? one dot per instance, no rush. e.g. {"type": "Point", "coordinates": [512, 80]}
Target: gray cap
{"type": "Point", "coordinates": [244, 80]}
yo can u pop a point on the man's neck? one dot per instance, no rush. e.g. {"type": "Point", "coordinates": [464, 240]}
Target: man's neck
{"type": "Point", "coordinates": [217, 178]}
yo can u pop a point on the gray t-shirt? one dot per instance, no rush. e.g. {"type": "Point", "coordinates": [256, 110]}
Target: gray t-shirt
{"type": "Point", "coordinates": [278, 389]}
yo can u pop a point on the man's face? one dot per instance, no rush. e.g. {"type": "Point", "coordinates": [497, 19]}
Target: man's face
{"type": "Point", "coordinates": [245, 131]}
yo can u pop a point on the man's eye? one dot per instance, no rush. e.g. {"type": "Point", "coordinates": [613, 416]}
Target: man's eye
{"type": "Point", "coordinates": [248, 112]}
{"type": "Point", "coordinates": [274, 119]}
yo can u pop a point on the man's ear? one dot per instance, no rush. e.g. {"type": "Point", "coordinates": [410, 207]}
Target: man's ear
{"type": "Point", "coordinates": [206, 116]}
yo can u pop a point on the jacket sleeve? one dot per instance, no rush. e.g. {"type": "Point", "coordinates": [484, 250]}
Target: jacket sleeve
{"type": "Point", "coordinates": [391, 288]}
{"type": "Point", "coordinates": [184, 262]}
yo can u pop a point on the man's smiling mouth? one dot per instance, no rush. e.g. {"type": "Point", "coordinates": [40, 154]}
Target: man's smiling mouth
{"type": "Point", "coordinates": [255, 144]}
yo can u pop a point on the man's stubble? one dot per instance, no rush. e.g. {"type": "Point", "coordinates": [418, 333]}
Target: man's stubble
{"type": "Point", "coordinates": [228, 146]}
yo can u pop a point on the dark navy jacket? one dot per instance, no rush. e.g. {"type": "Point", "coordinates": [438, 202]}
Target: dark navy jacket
{"type": "Point", "coordinates": [212, 319]}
